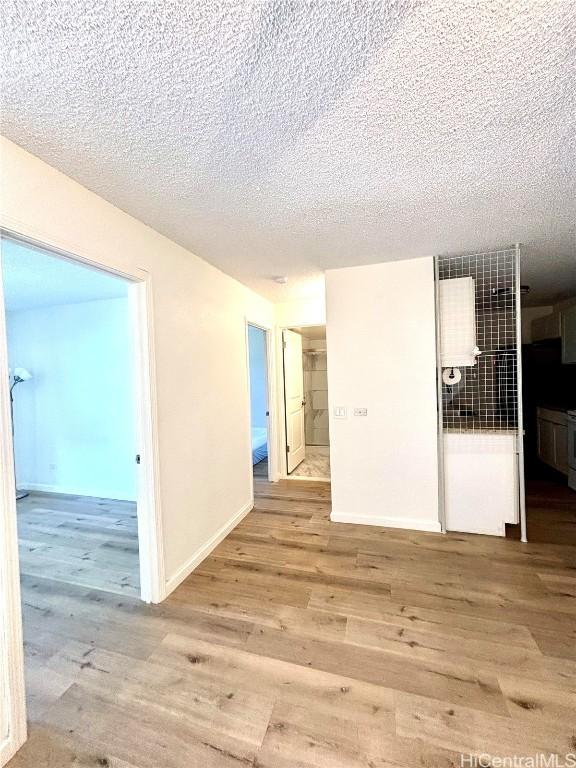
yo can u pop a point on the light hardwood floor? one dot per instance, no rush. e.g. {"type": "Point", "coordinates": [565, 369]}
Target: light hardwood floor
{"type": "Point", "coordinates": [304, 643]}
{"type": "Point", "coordinates": [80, 540]}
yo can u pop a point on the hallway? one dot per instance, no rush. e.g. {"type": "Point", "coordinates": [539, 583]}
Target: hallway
{"type": "Point", "coordinates": [301, 642]}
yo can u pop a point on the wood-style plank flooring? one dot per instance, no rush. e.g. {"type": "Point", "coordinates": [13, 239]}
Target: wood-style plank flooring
{"type": "Point", "coordinates": [80, 540]}
{"type": "Point", "coordinates": [302, 643]}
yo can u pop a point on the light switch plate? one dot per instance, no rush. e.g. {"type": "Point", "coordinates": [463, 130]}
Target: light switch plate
{"type": "Point", "coordinates": [339, 412]}
{"type": "Point", "coordinates": [360, 411]}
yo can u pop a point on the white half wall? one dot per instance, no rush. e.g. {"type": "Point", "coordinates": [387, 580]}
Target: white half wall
{"type": "Point", "coordinates": [75, 419]}
{"type": "Point", "coordinates": [199, 320]}
{"type": "Point", "coordinates": [382, 357]}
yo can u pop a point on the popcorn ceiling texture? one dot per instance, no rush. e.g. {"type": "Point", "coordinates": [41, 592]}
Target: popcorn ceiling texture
{"type": "Point", "coordinates": [286, 137]}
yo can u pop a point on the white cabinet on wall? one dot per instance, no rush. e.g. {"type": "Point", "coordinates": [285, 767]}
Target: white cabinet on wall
{"type": "Point", "coordinates": [457, 322]}
{"type": "Point", "coordinates": [553, 439]}
{"type": "Point", "coordinates": [547, 327]}
{"type": "Point", "coordinates": [569, 335]}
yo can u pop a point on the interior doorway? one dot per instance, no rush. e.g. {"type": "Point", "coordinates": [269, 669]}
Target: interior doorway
{"type": "Point", "coordinates": [86, 527]}
{"type": "Point", "coordinates": [69, 341]}
{"type": "Point", "coordinates": [306, 402]}
{"type": "Point", "coordinates": [258, 365]}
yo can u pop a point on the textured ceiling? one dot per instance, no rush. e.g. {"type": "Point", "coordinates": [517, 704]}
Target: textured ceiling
{"type": "Point", "coordinates": [285, 138]}
{"type": "Point", "coordinates": [32, 279]}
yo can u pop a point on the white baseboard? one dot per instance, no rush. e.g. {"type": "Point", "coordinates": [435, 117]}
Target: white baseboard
{"type": "Point", "coordinates": [307, 477]}
{"type": "Point", "coordinates": [8, 749]}
{"type": "Point", "coordinates": [203, 552]}
{"type": "Point", "coordinates": [410, 524]}
{"type": "Point", "coordinates": [67, 491]}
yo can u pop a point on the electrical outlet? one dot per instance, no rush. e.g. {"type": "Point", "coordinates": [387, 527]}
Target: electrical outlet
{"type": "Point", "coordinates": [339, 412]}
{"type": "Point", "coordinates": [360, 411]}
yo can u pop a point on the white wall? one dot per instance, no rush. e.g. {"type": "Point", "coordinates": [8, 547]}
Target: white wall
{"type": "Point", "coordinates": [382, 356]}
{"type": "Point", "coordinates": [200, 338]}
{"type": "Point", "coordinates": [312, 311]}
{"type": "Point", "coordinates": [74, 420]}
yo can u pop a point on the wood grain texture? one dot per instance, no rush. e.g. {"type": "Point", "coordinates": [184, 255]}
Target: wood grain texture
{"type": "Point", "coordinates": [301, 643]}
{"type": "Point", "coordinates": [80, 540]}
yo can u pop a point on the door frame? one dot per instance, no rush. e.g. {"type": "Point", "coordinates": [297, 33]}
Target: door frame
{"type": "Point", "coordinates": [281, 413]}
{"type": "Point", "coordinates": [149, 518]}
{"type": "Point", "coordinates": [270, 399]}
{"type": "Point", "coordinates": [150, 531]}
{"type": "Point", "coordinates": [13, 701]}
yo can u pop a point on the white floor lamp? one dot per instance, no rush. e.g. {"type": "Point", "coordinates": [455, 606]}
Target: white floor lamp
{"type": "Point", "coordinates": [20, 375]}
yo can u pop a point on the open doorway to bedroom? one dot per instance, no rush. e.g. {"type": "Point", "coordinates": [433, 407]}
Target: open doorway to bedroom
{"type": "Point", "coordinates": [259, 400]}
{"type": "Point", "coordinates": [306, 402]}
{"type": "Point", "coordinates": [70, 358]}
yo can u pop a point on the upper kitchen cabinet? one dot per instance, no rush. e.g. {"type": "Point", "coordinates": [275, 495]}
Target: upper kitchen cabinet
{"type": "Point", "coordinates": [457, 322]}
{"type": "Point", "coordinates": [547, 327]}
{"type": "Point", "coordinates": [569, 335]}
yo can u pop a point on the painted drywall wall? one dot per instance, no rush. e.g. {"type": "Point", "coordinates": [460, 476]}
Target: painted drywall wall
{"type": "Point", "coordinates": [312, 311]}
{"type": "Point", "coordinates": [74, 420]}
{"type": "Point", "coordinates": [382, 356]}
{"type": "Point", "coordinates": [258, 387]}
{"type": "Point", "coordinates": [199, 317]}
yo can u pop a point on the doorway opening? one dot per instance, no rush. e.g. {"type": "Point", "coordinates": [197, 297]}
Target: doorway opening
{"type": "Point", "coordinates": [71, 375]}
{"type": "Point", "coordinates": [80, 526]}
{"type": "Point", "coordinates": [259, 401]}
{"type": "Point", "coordinates": [306, 403]}
{"type": "Point", "coordinates": [549, 405]}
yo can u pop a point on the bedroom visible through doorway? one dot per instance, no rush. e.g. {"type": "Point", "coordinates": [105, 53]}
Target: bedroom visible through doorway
{"type": "Point", "coordinates": [259, 414]}
{"type": "Point", "coordinates": [70, 355]}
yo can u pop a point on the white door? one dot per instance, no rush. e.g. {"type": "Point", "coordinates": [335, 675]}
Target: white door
{"type": "Point", "coordinates": [294, 394]}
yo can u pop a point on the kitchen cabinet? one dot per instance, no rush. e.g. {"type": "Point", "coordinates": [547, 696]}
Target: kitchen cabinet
{"type": "Point", "coordinates": [480, 481]}
{"type": "Point", "coordinates": [547, 327]}
{"type": "Point", "coordinates": [457, 322]}
{"type": "Point", "coordinates": [553, 438]}
{"type": "Point", "coordinates": [546, 450]}
{"type": "Point", "coordinates": [569, 335]}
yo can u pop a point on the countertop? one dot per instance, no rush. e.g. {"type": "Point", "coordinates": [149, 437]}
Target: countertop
{"type": "Point", "coordinates": [473, 425]}
{"type": "Point", "coordinates": [470, 430]}
{"type": "Point", "coordinates": [560, 408]}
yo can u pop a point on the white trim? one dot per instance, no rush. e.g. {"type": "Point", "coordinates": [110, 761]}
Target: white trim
{"type": "Point", "coordinates": [282, 466]}
{"type": "Point", "coordinates": [149, 511]}
{"type": "Point", "coordinates": [439, 401]}
{"type": "Point", "coordinates": [150, 535]}
{"type": "Point", "coordinates": [520, 390]}
{"type": "Point", "coordinates": [12, 690]}
{"type": "Point", "coordinates": [202, 553]}
{"type": "Point", "coordinates": [414, 524]}
{"type": "Point", "coordinates": [68, 491]}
